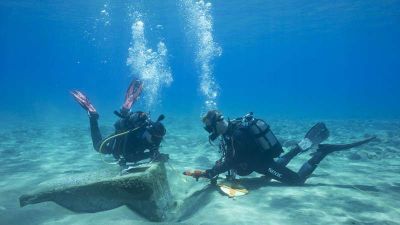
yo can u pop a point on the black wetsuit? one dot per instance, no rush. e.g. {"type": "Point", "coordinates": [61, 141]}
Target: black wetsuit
{"type": "Point", "coordinates": [243, 155]}
{"type": "Point", "coordinates": [133, 147]}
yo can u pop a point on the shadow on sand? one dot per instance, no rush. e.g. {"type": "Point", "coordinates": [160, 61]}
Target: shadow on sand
{"type": "Point", "coordinates": [199, 199]}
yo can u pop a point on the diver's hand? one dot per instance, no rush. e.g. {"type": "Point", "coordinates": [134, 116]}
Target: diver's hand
{"type": "Point", "coordinates": [196, 174]}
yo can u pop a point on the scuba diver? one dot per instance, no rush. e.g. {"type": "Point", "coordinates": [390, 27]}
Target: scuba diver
{"type": "Point", "coordinates": [136, 137]}
{"type": "Point", "coordinates": [248, 145]}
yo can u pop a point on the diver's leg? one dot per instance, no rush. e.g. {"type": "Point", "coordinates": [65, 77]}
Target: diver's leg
{"type": "Point", "coordinates": [317, 134]}
{"type": "Point", "coordinates": [308, 168]}
{"type": "Point", "coordinates": [286, 158]}
{"type": "Point", "coordinates": [323, 150]}
{"type": "Point", "coordinates": [95, 131]}
{"type": "Point", "coordinates": [97, 140]}
{"type": "Point", "coordinates": [83, 100]}
{"type": "Point", "coordinates": [282, 174]}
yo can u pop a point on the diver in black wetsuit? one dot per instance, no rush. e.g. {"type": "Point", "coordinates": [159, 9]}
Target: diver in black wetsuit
{"type": "Point", "coordinates": [248, 145]}
{"type": "Point", "coordinates": [136, 137]}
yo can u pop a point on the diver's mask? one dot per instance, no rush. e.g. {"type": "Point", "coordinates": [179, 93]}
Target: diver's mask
{"type": "Point", "coordinates": [210, 120]}
{"type": "Point", "coordinates": [212, 130]}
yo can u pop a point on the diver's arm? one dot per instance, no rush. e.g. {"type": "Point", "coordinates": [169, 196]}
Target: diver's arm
{"type": "Point", "coordinates": [237, 143]}
{"type": "Point", "coordinates": [220, 167]}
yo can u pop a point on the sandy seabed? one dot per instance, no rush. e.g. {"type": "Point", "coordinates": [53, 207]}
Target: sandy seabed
{"type": "Point", "coordinates": [359, 186]}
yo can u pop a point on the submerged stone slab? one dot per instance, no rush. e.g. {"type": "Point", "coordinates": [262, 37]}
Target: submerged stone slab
{"type": "Point", "coordinates": [146, 191]}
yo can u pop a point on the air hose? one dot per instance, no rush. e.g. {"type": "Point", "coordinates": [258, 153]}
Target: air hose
{"type": "Point", "coordinates": [109, 139]}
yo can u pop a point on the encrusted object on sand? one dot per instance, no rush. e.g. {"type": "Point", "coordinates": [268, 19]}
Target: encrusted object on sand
{"type": "Point", "coordinates": [146, 192]}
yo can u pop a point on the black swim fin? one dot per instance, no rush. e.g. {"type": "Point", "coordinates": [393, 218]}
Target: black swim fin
{"type": "Point", "coordinates": [328, 148]}
{"type": "Point", "coordinates": [316, 135]}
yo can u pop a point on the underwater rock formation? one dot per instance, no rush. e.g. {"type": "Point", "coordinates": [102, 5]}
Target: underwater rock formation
{"type": "Point", "coordinates": [146, 192]}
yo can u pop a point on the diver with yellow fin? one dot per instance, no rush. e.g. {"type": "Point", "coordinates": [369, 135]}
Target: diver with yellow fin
{"type": "Point", "coordinates": [248, 145]}
{"type": "Point", "coordinates": [136, 137]}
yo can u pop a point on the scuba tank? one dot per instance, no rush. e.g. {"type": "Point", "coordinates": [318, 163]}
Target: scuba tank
{"type": "Point", "coordinates": [263, 136]}
{"type": "Point", "coordinates": [267, 145]}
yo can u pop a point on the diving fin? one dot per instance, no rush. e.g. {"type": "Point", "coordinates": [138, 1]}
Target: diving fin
{"type": "Point", "coordinates": [83, 101]}
{"type": "Point", "coordinates": [316, 135]}
{"type": "Point", "coordinates": [328, 148]}
{"type": "Point", "coordinates": [132, 93]}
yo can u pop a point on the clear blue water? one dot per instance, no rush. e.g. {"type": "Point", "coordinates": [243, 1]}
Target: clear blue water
{"type": "Point", "coordinates": [287, 58]}
{"type": "Point", "coordinates": [293, 63]}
